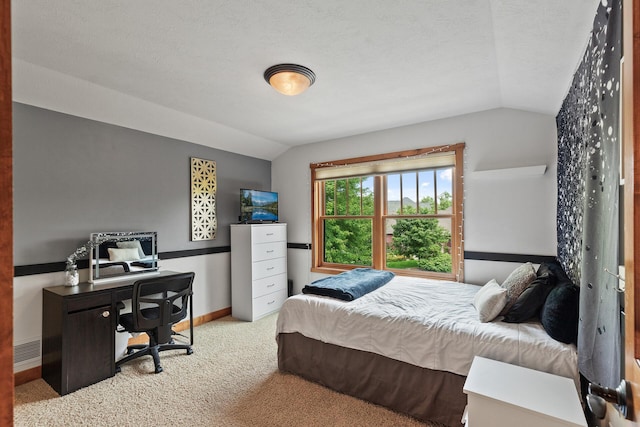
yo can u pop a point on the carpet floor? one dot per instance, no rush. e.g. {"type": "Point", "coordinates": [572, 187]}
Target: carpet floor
{"type": "Point", "coordinates": [231, 379]}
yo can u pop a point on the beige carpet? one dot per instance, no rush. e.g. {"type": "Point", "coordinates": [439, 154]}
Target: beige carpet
{"type": "Point", "coordinates": [231, 379]}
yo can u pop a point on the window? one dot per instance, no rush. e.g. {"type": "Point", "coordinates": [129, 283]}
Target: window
{"type": "Point", "coordinates": [400, 211]}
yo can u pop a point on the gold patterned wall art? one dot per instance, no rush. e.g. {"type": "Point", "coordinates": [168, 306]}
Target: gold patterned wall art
{"type": "Point", "coordinates": [203, 199]}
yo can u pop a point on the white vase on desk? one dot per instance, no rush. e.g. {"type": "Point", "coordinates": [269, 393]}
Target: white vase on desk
{"type": "Point", "coordinates": [71, 275]}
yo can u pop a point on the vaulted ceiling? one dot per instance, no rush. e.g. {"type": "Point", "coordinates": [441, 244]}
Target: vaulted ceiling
{"type": "Point", "coordinates": [193, 70]}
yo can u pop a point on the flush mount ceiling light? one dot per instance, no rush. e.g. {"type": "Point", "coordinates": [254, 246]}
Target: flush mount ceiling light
{"type": "Point", "coordinates": [289, 79]}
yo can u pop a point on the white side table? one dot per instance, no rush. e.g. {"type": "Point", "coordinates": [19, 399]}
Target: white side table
{"type": "Point", "coordinates": [504, 395]}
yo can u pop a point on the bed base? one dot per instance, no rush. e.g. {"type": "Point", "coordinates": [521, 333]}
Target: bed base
{"type": "Point", "coordinates": [424, 394]}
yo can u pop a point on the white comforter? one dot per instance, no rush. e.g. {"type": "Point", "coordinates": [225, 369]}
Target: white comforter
{"type": "Point", "coordinates": [428, 323]}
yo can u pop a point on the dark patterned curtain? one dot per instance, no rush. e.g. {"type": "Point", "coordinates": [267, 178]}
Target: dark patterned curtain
{"type": "Point", "coordinates": [588, 183]}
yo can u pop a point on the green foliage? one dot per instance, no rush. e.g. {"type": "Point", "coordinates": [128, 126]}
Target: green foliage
{"type": "Point", "coordinates": [349, 196]}
{"type": "Point", "coordinates": [444, 201]}
{"type": "Point", "coordinates": [427, 207]}
{"type": "Point", "coordinates": [440, 263]}
{"type": "Point", "coordinates": [424, 240]}
{"type": "Point", "coordinates": [416, 243]}
{"type": "Point", "coordinates": [391, 257]}
{"type": "Point", "coordinates": [348, 241]}
{"type": "Point", "coordinates": [408, 210]}
{"type": "Point", "coordinates": [419, 238]}
{"type": "Point", "coordinates": [408, 263]}
{"type": "Point", "coordinates": [427, 204]}
{"type": "Point", "coordinates": [329, 197]}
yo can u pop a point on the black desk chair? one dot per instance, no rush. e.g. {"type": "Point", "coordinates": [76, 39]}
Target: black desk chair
{"type": "Point", "coordinates": [157, 304]}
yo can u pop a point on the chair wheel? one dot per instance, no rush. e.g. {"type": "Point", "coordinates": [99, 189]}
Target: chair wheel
{"type": "Point", "coordinates": [130, 351]}
{"type": "Point", "coordinates": [118, 369]}
{"type": "Point", "coordinates": [189, 351]}
{"type": "Point", "coordinates": [158, 369]}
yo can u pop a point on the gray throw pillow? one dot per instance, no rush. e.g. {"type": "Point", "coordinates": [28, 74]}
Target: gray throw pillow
{"type": "Point", "coordinates": [516, 283]}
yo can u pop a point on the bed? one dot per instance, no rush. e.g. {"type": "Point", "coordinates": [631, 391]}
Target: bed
{"type": "Point", "coordinates": [408, 345]}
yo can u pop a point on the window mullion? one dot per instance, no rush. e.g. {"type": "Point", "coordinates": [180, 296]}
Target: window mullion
{"type": "Point", "coordinates": [378, 223]}
{"type": "Point", "coordinates": [417, 193]}
{"type": "Point", "coordinates": [435, 192]}
{"type": "Point", "coordinates": [401, 196]}
{"type": "Point", "coordinates": [335, 197]}
{"type": "Point", "coordinates": [346, 196]}
{"type": "Point", "coordinates": [361, 196]}
{"type": "Point", "coordinates": [319, 202]}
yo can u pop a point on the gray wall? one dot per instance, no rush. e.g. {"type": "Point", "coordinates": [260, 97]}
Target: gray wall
{"type": "Point", "coordinates": [74, 176]}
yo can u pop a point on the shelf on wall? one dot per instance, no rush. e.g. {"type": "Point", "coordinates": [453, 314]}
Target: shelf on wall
{"type": "Point", "coordinates": [520, 172]}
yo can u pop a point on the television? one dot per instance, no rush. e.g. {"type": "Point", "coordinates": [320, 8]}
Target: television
{"type": "Point", "coordinates": [258, 206]}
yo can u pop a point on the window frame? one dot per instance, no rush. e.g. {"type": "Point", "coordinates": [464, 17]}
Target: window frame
{"type": "Point", "coordinates": [380, 215]}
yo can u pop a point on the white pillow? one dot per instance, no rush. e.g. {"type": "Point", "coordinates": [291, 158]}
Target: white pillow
{"type": "Point", "coordinates": [490, 300]}
{"type": "Point", "coordinates": [123, 254]}
{"type": "Point", "coordinates": [132, 244]}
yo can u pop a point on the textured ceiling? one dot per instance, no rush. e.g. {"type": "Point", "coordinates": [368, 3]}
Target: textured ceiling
{"type": "Point", "coordinates": [192, 70]}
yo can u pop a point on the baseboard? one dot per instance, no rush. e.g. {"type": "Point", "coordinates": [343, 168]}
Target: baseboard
{"type": "Point", "coordinates": [29, 375]}
{"type": "Point", "coordinates": [33, 374]}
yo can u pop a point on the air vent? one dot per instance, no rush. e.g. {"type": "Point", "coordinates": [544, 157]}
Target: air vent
{"type": "Point", "coordinates": [26, 351]}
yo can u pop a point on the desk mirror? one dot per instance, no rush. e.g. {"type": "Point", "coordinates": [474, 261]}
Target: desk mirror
{"type": "Point", "coordinates": [118, 255]}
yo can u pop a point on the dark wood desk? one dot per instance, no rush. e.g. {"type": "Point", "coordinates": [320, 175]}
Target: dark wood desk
{"type": "Point", "coordinates": [78, 331]}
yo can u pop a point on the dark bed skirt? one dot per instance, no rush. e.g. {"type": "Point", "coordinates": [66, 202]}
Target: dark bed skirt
{"type": "Point", "coordinates": [422, 393]}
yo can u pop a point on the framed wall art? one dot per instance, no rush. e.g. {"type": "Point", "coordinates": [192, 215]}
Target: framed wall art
{"type": "Point", "coordinates": [203, 199]}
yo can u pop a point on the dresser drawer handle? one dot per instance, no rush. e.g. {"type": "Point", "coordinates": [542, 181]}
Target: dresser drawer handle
{"type": "Point", "coordinates": [271, 302]}
{"type": "Point", "coordinates": [105, 313]}
{"type": "Point", "coordinates": [269, 234]}
{"type": "Point", "coordinates": [270, 251]}
{"type": "Point", "coordinates": [271, 285]}
{"type": "Point", "coordinates": [270, 268]}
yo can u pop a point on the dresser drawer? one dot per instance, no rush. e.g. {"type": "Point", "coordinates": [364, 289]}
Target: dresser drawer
{"type": "Point", "coordinates": [268, 303]}
{"type": "Point", "coordinates": [270, 267]}
{"type": "Point", "coordinates": [269, 284]}
{"type": "Point", "coordinates": [262, 251]}
{"type": "Point", "coordinates": [269, 233]}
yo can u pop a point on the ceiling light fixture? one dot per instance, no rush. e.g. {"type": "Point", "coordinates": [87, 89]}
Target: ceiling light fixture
{"type": "Point", "coordinates": [289, 79]}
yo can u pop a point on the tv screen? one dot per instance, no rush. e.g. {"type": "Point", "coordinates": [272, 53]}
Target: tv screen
{"type": "Point", "coordinates": [258, 206]}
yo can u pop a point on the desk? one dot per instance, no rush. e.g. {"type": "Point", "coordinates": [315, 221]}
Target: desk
{"type": "Point", "coordinates": [78, 331]}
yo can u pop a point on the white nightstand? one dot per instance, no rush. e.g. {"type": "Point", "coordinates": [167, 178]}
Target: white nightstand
{"type": "Point", "coordinates": [504, 395]}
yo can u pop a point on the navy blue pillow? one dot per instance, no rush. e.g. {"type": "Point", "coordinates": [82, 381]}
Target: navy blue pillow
{"type": "Point", "coordinates": [559, 315]}
{"type": "Point", "coordinates": [531, 300]}
{"type": "Point", "coordinates": [556, 269]}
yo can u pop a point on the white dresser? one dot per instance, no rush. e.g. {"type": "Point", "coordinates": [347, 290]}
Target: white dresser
{"type": "Point", "coordinates": [258, 269]}
{"type": "Point", "coordinates": [504, 395]}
